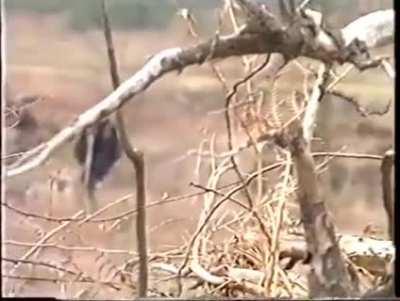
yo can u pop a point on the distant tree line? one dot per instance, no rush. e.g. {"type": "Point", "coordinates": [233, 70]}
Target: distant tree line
{"type": "Point", "coordinates": [156, 14]}
{"type": "Point", "coordinates": [85, 14]}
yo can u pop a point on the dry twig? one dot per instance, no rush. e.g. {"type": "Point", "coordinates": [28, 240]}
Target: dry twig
{"type": "Point", "coordinates": [137, 160]}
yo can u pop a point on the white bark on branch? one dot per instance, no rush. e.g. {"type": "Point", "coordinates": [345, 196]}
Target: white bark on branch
{"type": "Point", "coordinates": [375, 29]}
{"type": "Point", "coordinates": [370, 254]}
{"type": "Point", "coordinates": [161, 63]}
{"type": "Point", "coordinates": [313, 105]}
{"type": "Point", "coordinates": [268, 38]}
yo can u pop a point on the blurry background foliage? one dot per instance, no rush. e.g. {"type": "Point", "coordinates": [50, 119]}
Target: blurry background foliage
{"type": "Point", "coordinates": [156, 14]}
{"type": "Point", "coordinates": [126, 14]}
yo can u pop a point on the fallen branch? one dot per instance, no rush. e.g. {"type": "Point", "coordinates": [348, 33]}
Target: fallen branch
{"type": "Point", "coordinates": [370, 254]}
{"type": "Point", "coordinates": [205, 275]}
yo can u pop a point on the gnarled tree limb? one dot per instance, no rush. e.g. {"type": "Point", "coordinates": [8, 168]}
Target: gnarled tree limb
{"type": "Point", "coordinates": [375, 29]}
{"type": "Point", "coordinates": [269, 37]}
{"type": "Point", "coordinates": [328, 276]}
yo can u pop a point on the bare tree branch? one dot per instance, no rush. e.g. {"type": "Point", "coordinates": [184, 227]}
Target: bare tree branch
{"type": "Point", "coordinates": [136, 157]}
{"type": "Point", "coordinates": [268, 38]}
{"type": "Point", "coordinates": [375, 29]}
{"type": "Point", "coordinates": [328, 276]}
{"type": "Point", "coordinates": [359, 249]}
{"type": "Point", "coordinates": [360, 109]}
{"type": "Point", "coordinates": [228, 99]}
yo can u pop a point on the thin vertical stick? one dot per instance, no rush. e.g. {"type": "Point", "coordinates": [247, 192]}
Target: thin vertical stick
{"type": "Point", "coordinates": [89, 197]}
{"type": "Point", "coordinates": [274, 256]}
{"type": "Point", "coordinates": [136, 157]}
{"type": "Point", "coordinates": [386, 170]}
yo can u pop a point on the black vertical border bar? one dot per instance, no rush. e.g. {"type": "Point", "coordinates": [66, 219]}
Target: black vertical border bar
{"type": "Point", "coordinates": [396, 171]}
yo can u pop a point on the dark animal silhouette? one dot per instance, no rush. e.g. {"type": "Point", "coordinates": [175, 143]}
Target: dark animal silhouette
{"type": "Point", "coordinates": [105, 153]}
